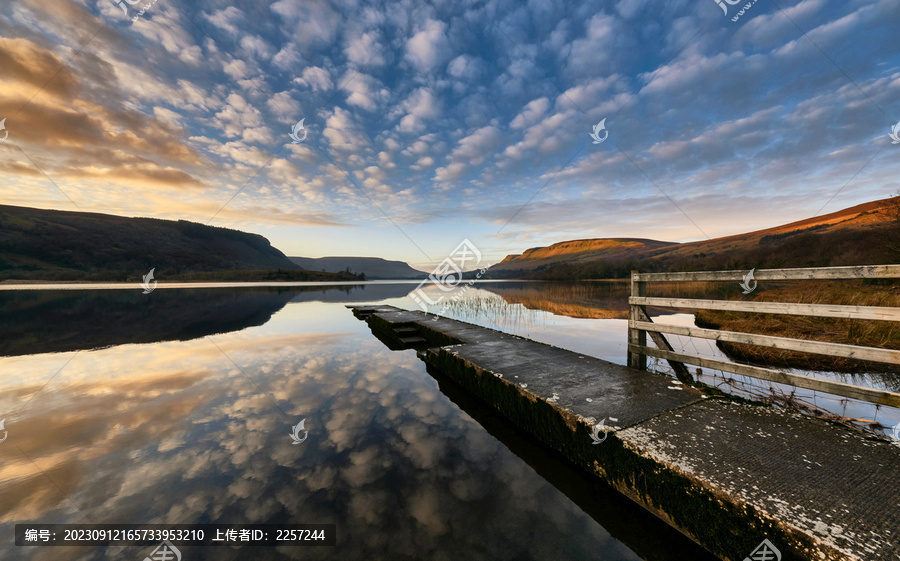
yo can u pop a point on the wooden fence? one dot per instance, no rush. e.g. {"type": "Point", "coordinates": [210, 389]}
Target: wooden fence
{"type": "Point", "coordinates": [640, 324]}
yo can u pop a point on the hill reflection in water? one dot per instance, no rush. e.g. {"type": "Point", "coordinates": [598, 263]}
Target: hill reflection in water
{"type": "Point", "coordinates": [52, 321]}
{"type": "Point", "coordinates": [592, 300]}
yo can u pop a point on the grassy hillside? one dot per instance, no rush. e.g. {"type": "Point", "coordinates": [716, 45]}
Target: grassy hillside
{"type": "Point", "coordinates": [580, 252]}
{"type": "Point", "coordinates": [372, 267]}
{"type": "Point", "coordinates": [864, 234]}
{"type": "Point", "coordinates": [38, 244]}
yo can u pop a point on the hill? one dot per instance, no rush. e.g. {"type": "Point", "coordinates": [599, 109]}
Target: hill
{"type": "Point", "coordinates": [580, 251]}
{"type": "Point", "coordinates": [863, 234]}
{"type": "Point", "coordinates": [373, 267]}
{"type": "Point", "coordinates": [37, 244]}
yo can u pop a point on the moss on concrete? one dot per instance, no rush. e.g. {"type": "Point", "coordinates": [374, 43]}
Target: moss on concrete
{"type": "Point", "coordinates": [724, 527]}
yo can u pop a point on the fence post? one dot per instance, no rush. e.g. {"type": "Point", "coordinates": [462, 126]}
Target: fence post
{"type": "Point", "coordinates": [636, 336]}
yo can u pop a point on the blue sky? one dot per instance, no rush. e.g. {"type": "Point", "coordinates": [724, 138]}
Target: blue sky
{"type": "Point", "coordinates": [433, 121]}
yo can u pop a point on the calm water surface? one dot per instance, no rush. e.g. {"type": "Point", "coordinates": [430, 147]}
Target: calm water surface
{"type": "Point", "coordinates": [176, 407]}
{"type": "Point", "coordinates": [592, 318]}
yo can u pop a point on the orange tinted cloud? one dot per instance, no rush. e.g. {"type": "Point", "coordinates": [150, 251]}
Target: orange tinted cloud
{"type": "Point", "coordinates": [70, 136]}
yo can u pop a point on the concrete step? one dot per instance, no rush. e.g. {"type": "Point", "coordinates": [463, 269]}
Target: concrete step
{"type": "Point", "coordinates": [363, 312]}
{"type": "Point", "coordinates": [412, 340]}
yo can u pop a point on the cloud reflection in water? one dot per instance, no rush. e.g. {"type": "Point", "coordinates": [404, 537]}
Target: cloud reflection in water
{"type": "Point", "coordinates": [176, 433]}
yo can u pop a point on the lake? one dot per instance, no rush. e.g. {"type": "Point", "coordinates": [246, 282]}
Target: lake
{"type": "Point", "coordinates": [178, 406]}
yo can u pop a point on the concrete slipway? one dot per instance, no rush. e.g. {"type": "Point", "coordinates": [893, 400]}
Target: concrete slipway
{"type": "Point", "coordinates": [725, 473]}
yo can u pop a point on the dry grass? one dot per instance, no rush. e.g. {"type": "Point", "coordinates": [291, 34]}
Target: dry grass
{"type": "Point", "coordinates": [693, 289]}
{"type": "Point", "coordinates": [881, 334]}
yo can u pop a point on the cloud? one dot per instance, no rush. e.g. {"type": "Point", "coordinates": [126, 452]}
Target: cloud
{"type": "Point", "coordinates": [422, 163]}
{"type": "Point", "coordinates": [421, 146]}
{"type": "Point", "coordinates": [316, 78]}
{"type": "Point", "coordinates": [426, 49]}
{"type": "Point", "coordinates": [365, 91]}
{"type": "Point", "coordinates": [256, 47]}
{"type": "Point", "coordinates": [597, 47]}
{"type": "Point", "coordinates": [420, 106]}
{"type": "Point", "coordinates": [167, 116]}
{"type": "Point", "coordinates": [450, 172]}
{"type": "Point", "coordinates": [139, 174]}
{"type": "Point", "coordinates": [26, 62]}
{"type": "Point", "coordinates": [158, 117]}
{"type": "Point", "coordinates": [238, 117]}
{"type": "Point", "coordinates": [386, 161]}
{"type": "Point", "coordinates": [343, 133]}
{"type": "Point", "coordinates": [236, 68]}
{"type": "Point", "coordinates": [629, 8]}
{"type": "Point", "coordinates": [89, 141]}
{"type": "Point", "coordinates": [309, 21]}
{"type": "Point", "coordinates": [288, 57]}
{"type": "Point", "coordinates": [228, 19]}
{"type": "Point", "coordinates": [364, 49]}
{"type": "Point", "coordinates": [533, 111]}
{"type": "Point", "coordinates": [464, 67]}
{"type": "Point", "coordinates": [165, 28]}
{"type": "Point", "coordinates": [285, 107]}
{"type": "Point", "coordinates": [478, 146]}
{"type": "Point", "coordinates": [544, 136]}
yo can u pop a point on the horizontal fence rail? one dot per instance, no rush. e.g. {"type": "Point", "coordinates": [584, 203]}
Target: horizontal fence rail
{"type": "Point", "coordinates": [811, 273]}
{"type": "Point", "coordinates": [640, 325]}
{"type": "Point", "coordinates": [862, 393]}
{"type": "Point", "coordinates": [872, 354]}
{"type": "Point", "coordinates": [810, 310]}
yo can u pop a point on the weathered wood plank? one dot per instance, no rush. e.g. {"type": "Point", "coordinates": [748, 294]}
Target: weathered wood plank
{"type": "Point", "coordinates": [635, 336]}
{"type": "Point", "coordinates": [786, 308]}
{"type": "Point", "coordinates": [837, 388]}
{"type": "Point", "coordinates": [681, 371]}
{"type": "Point", "coordinates": [820, 273]}
{"type": "Point", "coordinates": [888, 356]}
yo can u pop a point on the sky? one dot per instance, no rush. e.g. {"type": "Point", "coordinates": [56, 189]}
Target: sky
{"type": "Point", "coordinates": [427, 122]}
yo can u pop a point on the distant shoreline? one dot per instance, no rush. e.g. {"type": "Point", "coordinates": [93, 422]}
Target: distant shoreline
{"type": "Point", "coordinates": [101, 285]}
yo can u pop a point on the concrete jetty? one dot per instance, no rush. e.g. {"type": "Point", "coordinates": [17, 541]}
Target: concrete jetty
{"type": "Point", "coordinates": [724, 472]}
